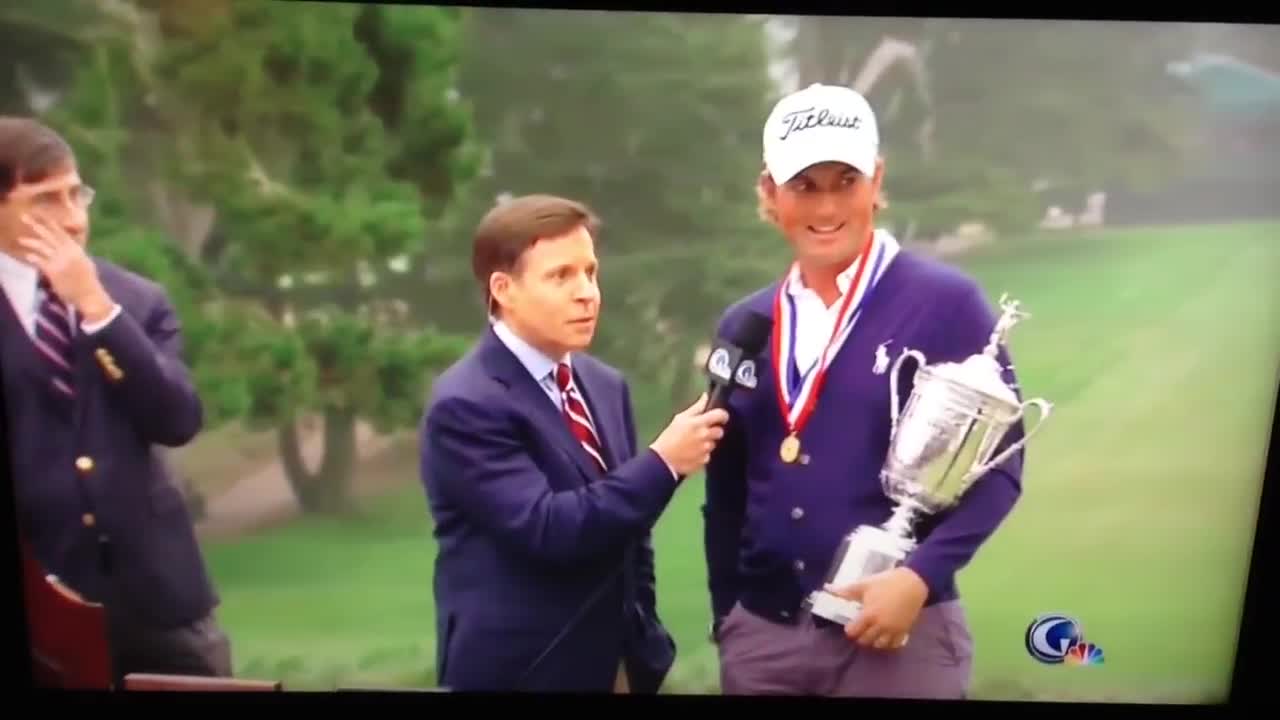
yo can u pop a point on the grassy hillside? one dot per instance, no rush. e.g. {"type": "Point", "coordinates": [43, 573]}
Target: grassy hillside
{"type": "Point", "coordinates": [1159, 349]}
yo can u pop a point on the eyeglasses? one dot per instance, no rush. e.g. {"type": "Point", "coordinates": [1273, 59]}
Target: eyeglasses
{"type": "Point", "coordinates": [81, 196]}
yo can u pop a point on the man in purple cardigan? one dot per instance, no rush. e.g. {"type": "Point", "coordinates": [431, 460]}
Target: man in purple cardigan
{"type": "Point", "coordinates": [799, 465]}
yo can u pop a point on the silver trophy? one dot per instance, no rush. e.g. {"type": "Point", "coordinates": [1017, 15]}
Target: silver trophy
{"type": "Point", "coordinates": [950, 428]}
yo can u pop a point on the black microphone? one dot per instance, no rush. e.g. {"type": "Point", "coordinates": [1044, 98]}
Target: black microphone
{"type": "Point", "coordinates": [731, 364]}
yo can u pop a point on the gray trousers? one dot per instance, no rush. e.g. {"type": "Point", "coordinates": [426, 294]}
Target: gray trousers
{"type": "Point", "coordinates": [762, 657]}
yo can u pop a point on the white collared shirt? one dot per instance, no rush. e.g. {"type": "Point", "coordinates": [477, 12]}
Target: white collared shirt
{"type": "Point", "coordinates": [543, 369]}
{"type": "Point", "coordinates": [19, 281]}
{"type": "Point", "coordinates": [815, 320]}
{"type": "Point", "coordinates": [540, 366]}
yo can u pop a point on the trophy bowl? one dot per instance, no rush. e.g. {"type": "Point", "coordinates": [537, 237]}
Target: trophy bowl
{"type": "Point", "coordinates": [946, 437]}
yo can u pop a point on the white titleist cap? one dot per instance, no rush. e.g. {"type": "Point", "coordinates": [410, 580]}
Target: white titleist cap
{"type": "Point", "coordinates": [821, 123]}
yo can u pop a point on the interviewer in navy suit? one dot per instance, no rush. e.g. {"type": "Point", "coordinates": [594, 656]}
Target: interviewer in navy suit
{"type": "Point", "coordinates": [542, 502]}
{"type": "Point", "coordinates": [95, 387]}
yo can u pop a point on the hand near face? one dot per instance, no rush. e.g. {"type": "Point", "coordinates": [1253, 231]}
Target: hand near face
{"type": "Point", "coordinates": [891, 602]}
{"type": "Point", "coordinates": [71, 273]}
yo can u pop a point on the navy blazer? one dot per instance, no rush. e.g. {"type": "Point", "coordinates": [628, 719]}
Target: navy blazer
{"type": "Point", "coordinates": [544, 579]}
{"type": "Point", "coordinates": [94, 494]}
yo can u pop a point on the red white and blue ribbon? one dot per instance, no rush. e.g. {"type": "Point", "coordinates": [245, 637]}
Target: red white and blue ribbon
{"type": "Point", "coordinates": [798, 390]}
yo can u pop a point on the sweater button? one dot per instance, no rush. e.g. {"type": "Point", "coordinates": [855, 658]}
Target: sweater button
{"type": "Point", "coordinates": [799, 566]}
{"type": "Point", "coordinates": [797, 513]}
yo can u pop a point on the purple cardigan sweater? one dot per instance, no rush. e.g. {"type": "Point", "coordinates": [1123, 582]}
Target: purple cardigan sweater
{"type": "Point", "coordinates": [771, 528]}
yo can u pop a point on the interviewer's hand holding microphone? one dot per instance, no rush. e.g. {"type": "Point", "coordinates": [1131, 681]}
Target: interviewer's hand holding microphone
{"type": "Point", "coordinates": [686, 444]}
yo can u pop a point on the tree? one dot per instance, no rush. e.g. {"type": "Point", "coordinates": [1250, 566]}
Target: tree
{"type": "Point", "coordinates": [325, 140]}
{"type": "Point", "coordinates": [976, 115]}
{"type": "Point", "coordinates": [89, 91]}
{"type": "Point", "coordinates": [44, 44]}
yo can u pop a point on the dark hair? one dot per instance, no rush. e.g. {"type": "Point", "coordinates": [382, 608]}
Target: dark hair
{"type": "Point", "coordinates": [513, 226]}
{"type": "Point", "coordinates": [30, 152]}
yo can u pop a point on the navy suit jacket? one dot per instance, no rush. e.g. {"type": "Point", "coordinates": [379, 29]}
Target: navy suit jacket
{"type": "Point", "coordinates": [544, 579]}
{"type": "Point", "coordinates": [94, 494]}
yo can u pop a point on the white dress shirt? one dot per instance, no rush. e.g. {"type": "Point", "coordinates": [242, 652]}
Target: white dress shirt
{"type": "Point", "coordinates": [543, 369]}
{"type": "Point", "coordinates": [814, 318]}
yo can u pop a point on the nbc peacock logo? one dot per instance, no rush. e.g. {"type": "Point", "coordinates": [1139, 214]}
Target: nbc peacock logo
{"type": "Point", "coordinates": [1086, 653]}
{"type": "Point", "coordinates": [1058, 639]}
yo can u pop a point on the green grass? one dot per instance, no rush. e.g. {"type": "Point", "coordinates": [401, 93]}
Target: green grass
{"type": "Point", "coordinates": [1159, 349]}
{"type": "Point", "coordinates": [328, 602]}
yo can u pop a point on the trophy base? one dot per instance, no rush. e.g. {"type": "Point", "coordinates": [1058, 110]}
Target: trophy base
{"type": "Point", "coordinates": [830, 607]}
{"type": "Point", "coordinates": [865, 552]}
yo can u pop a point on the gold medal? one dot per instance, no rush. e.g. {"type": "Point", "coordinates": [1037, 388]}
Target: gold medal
{"type": "Point", "coordinates": [790, 449]}
{"type": "Point", "coordinates": [791, 382]}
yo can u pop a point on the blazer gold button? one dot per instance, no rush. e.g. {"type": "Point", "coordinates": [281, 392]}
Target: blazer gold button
{"type": "Point", "coordinates": [84, 463]}
{"type": "Point", "coordinates": [88, 519]}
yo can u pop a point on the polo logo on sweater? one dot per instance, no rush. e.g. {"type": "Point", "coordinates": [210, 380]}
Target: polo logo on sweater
{"type": "Point", "coordinates": [882, 358]}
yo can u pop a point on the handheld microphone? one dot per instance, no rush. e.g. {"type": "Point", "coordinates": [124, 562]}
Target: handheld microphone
{"type": "Point", "coordinates": [731, 364]}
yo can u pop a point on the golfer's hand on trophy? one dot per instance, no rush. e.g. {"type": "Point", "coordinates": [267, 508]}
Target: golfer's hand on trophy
{"type": "Point", "coordinates": [891, 602]}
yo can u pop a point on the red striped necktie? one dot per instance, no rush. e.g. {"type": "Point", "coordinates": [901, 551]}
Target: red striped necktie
{"type": "Point", "coordinates": [575, 413]}
{"type": "Point", "coordinates": [53, 339]}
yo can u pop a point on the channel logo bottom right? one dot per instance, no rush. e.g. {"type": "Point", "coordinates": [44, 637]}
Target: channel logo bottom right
{"type": "Point", "coordinates": [1058, 639]}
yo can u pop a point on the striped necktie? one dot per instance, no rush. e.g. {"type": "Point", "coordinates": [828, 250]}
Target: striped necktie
{"type": "Point", "coordinates": [575, 413]}
{"type": "Point", "coordinates": [53, 339]}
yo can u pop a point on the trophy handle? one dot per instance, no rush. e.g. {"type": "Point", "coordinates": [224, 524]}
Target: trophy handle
{"type": "Point", "coordinates": [893, 383]}
{"type": "Point", "coordinates": [1045, 409]}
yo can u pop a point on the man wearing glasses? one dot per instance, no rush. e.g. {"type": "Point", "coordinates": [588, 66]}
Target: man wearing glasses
{"type": "Point", "coordinates": [95, 388]}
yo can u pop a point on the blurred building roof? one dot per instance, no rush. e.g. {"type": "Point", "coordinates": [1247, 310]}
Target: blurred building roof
{"type": "Point", "coordinates": [1230, 85]}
